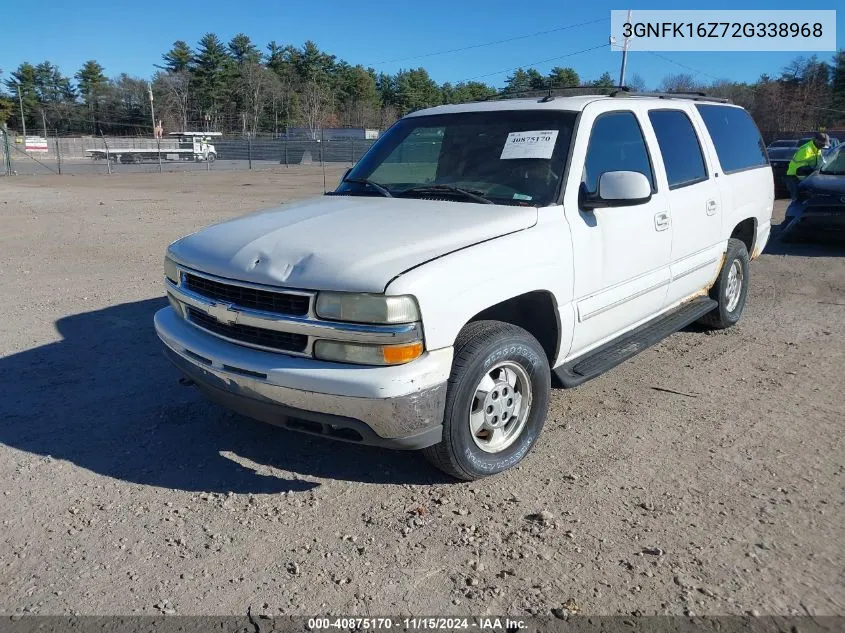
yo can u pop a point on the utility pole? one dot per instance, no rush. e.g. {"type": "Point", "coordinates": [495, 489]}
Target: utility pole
{"type": "Point", "coordinates": [23, 120]}
{"type": "Point", "coordinates": [624, 54]}
{"type": "Point", "coordinates": [152, 110]}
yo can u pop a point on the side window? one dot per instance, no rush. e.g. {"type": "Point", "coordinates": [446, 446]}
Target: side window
{"type": "Point", "coordinates": [736, 137]}
{"type": "Point", "coordinates": [679, 146]}
{"type": "Point", "coordinates": [616, 144]}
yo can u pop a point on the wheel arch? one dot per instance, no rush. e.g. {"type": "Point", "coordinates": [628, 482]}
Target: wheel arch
{"type": "Point", "coordinates": [536, 312]}
{"type": "Point", "coordinates": [746, 232]}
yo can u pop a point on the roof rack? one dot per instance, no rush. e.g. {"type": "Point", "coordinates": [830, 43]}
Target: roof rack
{"type": "Point", "coordinates": [694, 96]}
{"type": "Point", "coordinates": [548, 94]}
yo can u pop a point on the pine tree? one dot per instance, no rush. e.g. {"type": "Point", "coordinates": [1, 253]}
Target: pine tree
{"type": "Point", "coordinates": [22, 89]}
{"type": "Point", "coordinates": [518, 82]}
{"type": "Point", "coordinates": [605, 81]}
{"type": "Point", "coordinates": [564, 77]}
{"type": "Point", "coordinates": [416, 90]}
{"type": "Point", "coordinates": [211, 65]}
{"type": "Point", "coordinates": [243, 51]}
{"type": "Point", "coordinates": [179, 58]}
{"type": "Point", "coordinates": [92, 83]}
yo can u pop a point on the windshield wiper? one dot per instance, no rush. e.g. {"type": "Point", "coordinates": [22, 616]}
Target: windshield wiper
{"type": "Point", "coordinates": [434, 189]}
{"type": "Point", "coordinates": [364, 181]}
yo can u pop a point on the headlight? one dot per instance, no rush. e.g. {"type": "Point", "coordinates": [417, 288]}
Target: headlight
{"type": "Point", "coordinates": [361, 354]}
{"type": "Point", "coordinates": [366, 308]}
{"type": "Point", "coordinates": [170, 270]}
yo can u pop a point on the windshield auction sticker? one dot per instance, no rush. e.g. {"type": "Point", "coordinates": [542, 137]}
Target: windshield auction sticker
{"type": "Point", "coordinates": [530, 144]}
{"type": "Point", "coordinates": [724, 30]}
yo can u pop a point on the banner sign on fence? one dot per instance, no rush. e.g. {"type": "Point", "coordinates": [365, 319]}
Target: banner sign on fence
{"type": "Point", "coordinates": [36, 144]}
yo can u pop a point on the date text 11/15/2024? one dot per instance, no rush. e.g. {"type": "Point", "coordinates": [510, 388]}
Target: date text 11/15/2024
{"type": "Point", "coordinates": [433, 623]}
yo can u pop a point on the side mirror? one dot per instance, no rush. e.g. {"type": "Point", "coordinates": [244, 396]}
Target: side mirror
{"type": "Point", "coordinates": [804, 171]}
{"type": "Point", "coordinates": [618, 189]}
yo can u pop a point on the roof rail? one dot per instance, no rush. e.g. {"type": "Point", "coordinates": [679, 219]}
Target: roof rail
{"type": "Point", "coordinates": [694, 96]}
{"type": "Point", "coordinates": [548, 94]}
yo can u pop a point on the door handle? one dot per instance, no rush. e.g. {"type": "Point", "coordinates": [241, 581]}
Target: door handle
{"type": "Point", "coordinates": [711, 207]}
{"type": "Point", "coordinates": [661, 221]}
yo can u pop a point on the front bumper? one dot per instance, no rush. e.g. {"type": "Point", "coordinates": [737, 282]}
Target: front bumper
{"type": "Point", "coordinates": [827, 219]}
{"type": "Point", "coordinates": [395, 407]}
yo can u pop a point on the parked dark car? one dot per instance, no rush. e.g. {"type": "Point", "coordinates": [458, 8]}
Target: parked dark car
{"type": "Point", "coordinates": [780, 153]}
{"type": "Point", "coordinates": [820, 204]}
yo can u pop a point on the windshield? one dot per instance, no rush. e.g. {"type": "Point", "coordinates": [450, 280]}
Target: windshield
{"type": "Point", "coordinates": [833, 161]}
{"type": "Point", "coordinates": [783, 144]}
{"type": "Point", "coordinates": [505, 157]}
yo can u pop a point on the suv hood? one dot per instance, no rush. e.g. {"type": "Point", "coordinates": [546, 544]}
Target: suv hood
{"type": "Point", "coordinates": [824, 184]}
{"type": "Point", "coordinates": [347, 243]}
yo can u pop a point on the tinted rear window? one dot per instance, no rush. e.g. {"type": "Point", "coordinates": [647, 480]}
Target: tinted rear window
{"type": "Point", "coordinates": [736, 137]}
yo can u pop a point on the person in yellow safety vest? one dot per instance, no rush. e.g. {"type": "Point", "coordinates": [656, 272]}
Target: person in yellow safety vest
{"type": "Point", "coordinates": [806, 156]}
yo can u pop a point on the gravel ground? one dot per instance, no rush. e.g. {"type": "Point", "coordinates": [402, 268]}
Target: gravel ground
{"type": "Point", "coordinates": [704, 476]}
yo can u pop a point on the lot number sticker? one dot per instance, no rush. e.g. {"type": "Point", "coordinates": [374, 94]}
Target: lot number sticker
{"type": "Point", "coordinates": [530, 144]}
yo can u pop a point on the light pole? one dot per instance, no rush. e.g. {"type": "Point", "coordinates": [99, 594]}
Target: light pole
{"type": "Point", "coordinates": [23, 120]}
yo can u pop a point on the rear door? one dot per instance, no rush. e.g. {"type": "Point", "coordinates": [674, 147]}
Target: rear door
{"type": "Point", "coordinates": [743, 174]}
{"type": "Point", "coordinates": [621, 254]}
{"type": "Point", "coordinates": [694, 201]}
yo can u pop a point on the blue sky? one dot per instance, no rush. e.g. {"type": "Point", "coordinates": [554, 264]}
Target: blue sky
{"type": "Point", "coordinates": [131, 36]}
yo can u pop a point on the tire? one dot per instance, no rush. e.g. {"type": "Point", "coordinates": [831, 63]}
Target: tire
{"type": "Point", "coordinates": [730, 297]}
{"type": "Point", "coordinates": [212, 157]}
{"type": "Point", "coordinates": [513, 363]}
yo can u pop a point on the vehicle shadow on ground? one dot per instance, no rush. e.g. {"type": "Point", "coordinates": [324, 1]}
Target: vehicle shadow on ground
{"type": "Point", "coordinates": [105, 398]}
{"type": "Point", "coordinates": [805, 243]}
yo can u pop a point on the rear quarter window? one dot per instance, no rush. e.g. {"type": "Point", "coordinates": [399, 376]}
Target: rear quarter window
{"type": "Point", "coordinates": [735, 136]}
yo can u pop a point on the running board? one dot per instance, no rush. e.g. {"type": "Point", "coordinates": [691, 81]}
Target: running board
{"type": "Point", "coordinates": [631, 343]}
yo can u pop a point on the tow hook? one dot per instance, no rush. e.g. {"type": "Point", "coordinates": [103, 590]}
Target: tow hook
{"type": "Point", "coordinates": [186, 382]}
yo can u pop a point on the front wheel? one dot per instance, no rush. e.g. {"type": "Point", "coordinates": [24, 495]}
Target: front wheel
{"type": "Point", "coordinates": [496, 403]}
{"type": "Point", "coordinates": [731, 288]}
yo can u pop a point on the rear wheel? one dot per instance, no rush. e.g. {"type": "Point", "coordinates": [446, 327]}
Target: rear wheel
{"type": "Point", "coordinates": [497, 400]}
{"type": "Point", "coordinates": [731, 288]}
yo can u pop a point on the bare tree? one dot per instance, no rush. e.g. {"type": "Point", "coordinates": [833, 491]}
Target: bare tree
{"type": "Point", "coordinates": [682, 82]}
{"type": "Point", "coordinates": [255, 85]}
{"type": "Point", "coordinates": [312, 98]}
{"type": "Point", "coordinates": [282, 97]}
{"type": "Point", "coordinates": [175, 88]}
{"type": "Point", "coordinates": [637, 83]}
{"type": "Point", "coordinates": [387, 116]}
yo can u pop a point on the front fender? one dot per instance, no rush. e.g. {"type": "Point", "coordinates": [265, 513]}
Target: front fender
{"type": "Point", "coordinates": [454, 288]}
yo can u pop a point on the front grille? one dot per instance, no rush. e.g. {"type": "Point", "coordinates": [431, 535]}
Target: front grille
{"type": "Point", "coordinates": [245, 297]}
{"type": "Point", "coordinates": [283, 341]}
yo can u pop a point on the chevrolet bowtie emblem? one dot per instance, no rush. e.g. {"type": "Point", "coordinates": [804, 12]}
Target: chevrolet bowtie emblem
{"type": "Point", "coordinates": [223, 312]}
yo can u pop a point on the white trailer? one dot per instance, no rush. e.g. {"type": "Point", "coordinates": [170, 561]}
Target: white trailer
{"type": "Point", "coordinates": [188, 146]}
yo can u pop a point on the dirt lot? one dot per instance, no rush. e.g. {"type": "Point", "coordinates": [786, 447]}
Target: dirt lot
{"type": "Point", "coordinates": [706, 475]}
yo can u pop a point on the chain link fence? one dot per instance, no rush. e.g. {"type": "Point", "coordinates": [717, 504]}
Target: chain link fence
{"type": "Point", "coordinates": [54, 154]}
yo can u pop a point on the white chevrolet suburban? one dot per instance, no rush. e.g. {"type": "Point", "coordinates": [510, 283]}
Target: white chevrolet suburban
{"type": "Point", "coordinates": [474, 255]}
